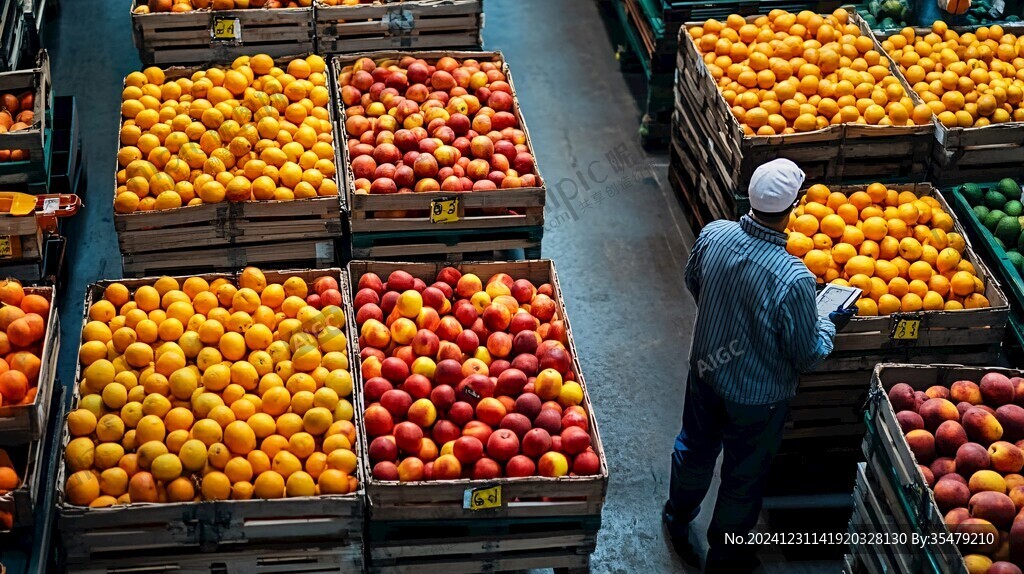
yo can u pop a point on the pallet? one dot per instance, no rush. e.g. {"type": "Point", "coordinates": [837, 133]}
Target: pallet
{"type": "Point", "coordinates": [185, 531]}
{"type": "Point", "coordinates": [470, 546]}
{"type": "Point", "coordinates": [412, 24]}
{"type": "Point", "coordinates": [20, 424]}
{"type": "Point", "coordinates": [35, 140]}
{"type": "Point", "coordinates": [187, 37]}
{"type": "Point", "coordinates": [297, 558]}
{"type": "Point", "coordinates": [836, 154]}
{"type": "Point", "coordinates": [963, 155]}
{"type": "Point", "coordinates": [409, 212]}
{"type": "Point", "coordinates": [892, 465]}
{"type": "Point", "coordinates": [314, 254]}
{"type": "Point", "coordinates": [468, 245]}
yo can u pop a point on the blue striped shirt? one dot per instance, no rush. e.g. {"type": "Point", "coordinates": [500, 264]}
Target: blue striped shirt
{"type": "Point", "coordinates": [757, 324]}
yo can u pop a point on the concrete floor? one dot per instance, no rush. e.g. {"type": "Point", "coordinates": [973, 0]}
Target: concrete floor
{"type": "Point", "coordinates": [615, 231]}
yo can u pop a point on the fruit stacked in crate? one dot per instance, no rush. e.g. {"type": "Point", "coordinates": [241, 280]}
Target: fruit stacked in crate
{"type": "Point", "coordinates": [819, 80]}
{"type": "Point", "coordinates": [968, 80]}
{"type": "Point", "coordinates": [967, 438]}
{"type": "Point", "coordinates": [437, 123]}
{"type": "Point", "coordinates": [28, 347]}
{"type": "Point", "coordinates": [239, 155]}
{"type": "Point", "coordinates": [999, 210]}
{"type": "Point", "coordinates": [467, 379]}
{"type": "Point", "coordinates": [898, 248]}
{"type": "Point", "coordinates": [211, 390]}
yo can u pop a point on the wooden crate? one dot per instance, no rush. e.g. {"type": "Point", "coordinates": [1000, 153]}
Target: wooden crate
{"type": "Point", "coordinates": [467, 245]}
{"type": "Point", "coordinates": [20, 424]}
{"type": "Point", "coordinates": [893, 467]}
{"type": "Point", "coordinates": [187, 37]}
{"type": "Point", "coordinates": [415, 24]}
{"type": "Point", "coordinates": [966, 329]}
{"type": "Point", "coordinates": [151, 241]}
{"type": "Point", "coordinates": [881, 542]}
{"type": "Point", "coordinates": [470, 546]}
{"type": "Point", "coordinates": [13, 31]}
{"type": "Point", "coordinates": [401, 514]}
{"type": "Point", "coordinates": [36, 139]}
{"type": "Point", "coordinates": [486, 210]}
{"type": "Point", "coordinates": [322, 253]}
{"type": "Point", "coordinates": [963, 155]}
{"type": "Point", "coordinates": [182, 531]}
{"type": "Point", "coordinates": [31, 468]}
{"type": "Point", "coordinates": [838, 153]}
{"type": "Point", "coordinates": [298, 558]}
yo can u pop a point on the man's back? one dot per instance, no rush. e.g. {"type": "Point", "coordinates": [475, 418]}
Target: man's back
{"type": "Point", "coordinates": [757, 326]}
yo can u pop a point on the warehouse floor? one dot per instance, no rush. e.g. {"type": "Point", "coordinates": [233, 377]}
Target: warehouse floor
{"type": "Point", "coordinates": [614, 230]}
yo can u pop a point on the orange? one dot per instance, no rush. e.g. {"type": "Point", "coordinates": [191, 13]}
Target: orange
{"type": "Point", "coordinates": [962, 283]}
{"type": "Point", "coordinates": [860, 264]}
{"type": "Point", "coordinates": [911, 302]}
{"type": "Point", "coordinates": [920, 270]}
{"type": "Point", "coordinates": [866, 307]}
{"type": "Point", "coordinates": [853, 235]}
{"type": "Point", "coordinates": [875, 228]}
{"type": "Point", "coordinates": [910, 249]}
{"type": "Point", "coordinates": [833, 226]}
{"type": "Point", "coordinates": [817, 261]}
{"type": "Point", "coordinates": [888, 304]}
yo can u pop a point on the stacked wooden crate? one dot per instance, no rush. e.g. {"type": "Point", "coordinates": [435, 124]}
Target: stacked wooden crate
{"type": "Point", "coordinates": [411, 24]}
{"type": "Point", "coordinates": [537, 522]}
{"type": "Point", "coordinates": [712, 159]}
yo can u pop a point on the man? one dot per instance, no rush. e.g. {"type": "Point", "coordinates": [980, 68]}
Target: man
{"type": "Point", "coordinates": [757, 330]}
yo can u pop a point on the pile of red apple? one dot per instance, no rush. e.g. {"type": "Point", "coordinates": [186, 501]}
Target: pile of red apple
{"type": "Point", "coordinates": [414, 125]}
{"type": "Point", "coordinates": [467, 380]}
{"type": "Point", "coordinates": [968, 440]}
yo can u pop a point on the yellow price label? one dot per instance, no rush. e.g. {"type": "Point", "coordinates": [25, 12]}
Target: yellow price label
{"type": "Point", "coordinates": [227, 29]}
{"type": "Point", "coordinates": [482, 498]}
{"type": "Point", "coordinates": [5, 247]}
{"type": "Point", "coordinates": [444, 209]}
{"type": "Point", "coordinates": [907, 330]}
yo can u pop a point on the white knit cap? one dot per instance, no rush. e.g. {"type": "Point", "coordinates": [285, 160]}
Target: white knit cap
{"type": "Point", "coordinates": [775, 185]}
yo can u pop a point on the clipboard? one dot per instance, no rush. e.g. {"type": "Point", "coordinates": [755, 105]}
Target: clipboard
{"type": "Point", "coordinates": [832, 297]}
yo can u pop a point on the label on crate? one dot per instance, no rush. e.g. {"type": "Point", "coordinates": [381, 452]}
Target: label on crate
{"type": "Point", "coordinates": [226, 29]}
{"type": "Point", "coordinates": [482, 498]}
{"type": "Point", "coordinates": [444, 209]}
{"type": "Point", "coordinates": [907, 328]}
{"type": "Point", "coordinates": [5, 247]}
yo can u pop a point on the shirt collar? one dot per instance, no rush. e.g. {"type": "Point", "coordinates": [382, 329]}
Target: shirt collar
{"type": "Point", "coordinates": [755, 229]}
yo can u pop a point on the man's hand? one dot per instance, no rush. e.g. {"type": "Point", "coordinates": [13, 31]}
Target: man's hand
{"type": "Point", "coordinates": [841, 317]}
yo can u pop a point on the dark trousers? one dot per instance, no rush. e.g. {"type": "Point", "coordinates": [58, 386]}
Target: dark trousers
{"type": "Point", "coordinates": [751, 435]}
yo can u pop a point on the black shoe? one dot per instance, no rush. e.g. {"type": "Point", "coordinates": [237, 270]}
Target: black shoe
{"type": "Point", "coordinates": [679, 537]}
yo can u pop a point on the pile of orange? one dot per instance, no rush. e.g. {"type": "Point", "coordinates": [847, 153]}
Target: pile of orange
{"type": "Point", "coordinates": [212, 390]}
{"type": "Point", "coordinates": [23, 320]}
{"type": "Point", "coordinates": [969, 80]}
{"type": "Point", "coordinates": [253, 131]}
{"type": "Point", "coordinates": [899, 249]}
{"type": "Point", "coordinates": [786, 73]}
